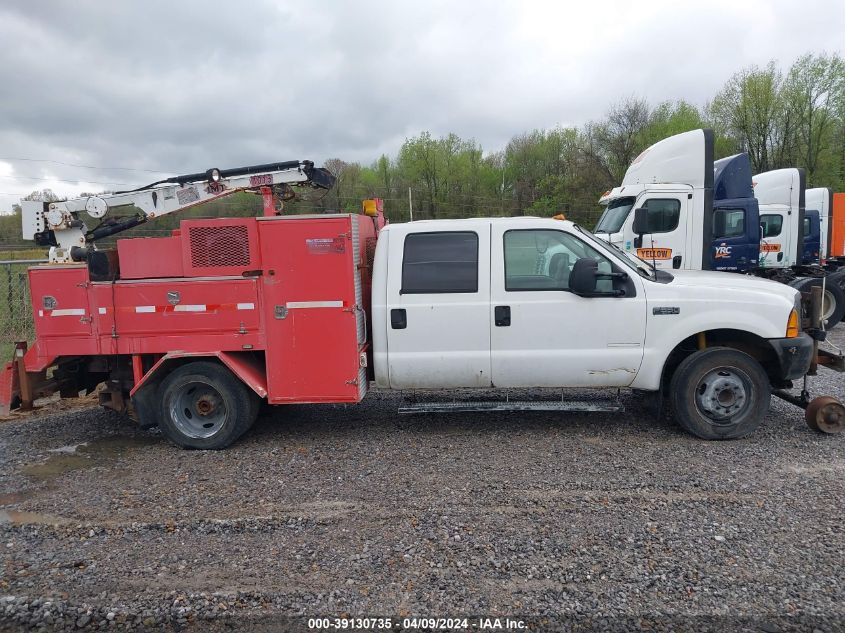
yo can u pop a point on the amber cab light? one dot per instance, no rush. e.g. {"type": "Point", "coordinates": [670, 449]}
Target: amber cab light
{"type": "Point", "coordinates": [792, 329]}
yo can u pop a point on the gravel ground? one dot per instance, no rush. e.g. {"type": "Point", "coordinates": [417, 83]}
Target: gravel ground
{"type": "Point", "coordinates": [573, 521]}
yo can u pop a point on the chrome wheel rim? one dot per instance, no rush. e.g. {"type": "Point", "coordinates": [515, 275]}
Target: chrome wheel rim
{"type": "Point", "coordinates": [198, 411]}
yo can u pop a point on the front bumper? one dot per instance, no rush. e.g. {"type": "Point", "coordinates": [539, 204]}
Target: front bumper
{"type": "Point", "coordinates": [794, 355]}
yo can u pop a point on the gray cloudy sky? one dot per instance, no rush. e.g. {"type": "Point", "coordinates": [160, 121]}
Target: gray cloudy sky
{"type": "Point", "coordinates": [183, 86]}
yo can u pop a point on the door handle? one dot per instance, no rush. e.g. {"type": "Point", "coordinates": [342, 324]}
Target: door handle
{"type": "Point", "coordinates": [502, 316]}
{"type": "Point", "coordinates": [398, 319]}
{"type": "Point", "coordinates": [676, 261]}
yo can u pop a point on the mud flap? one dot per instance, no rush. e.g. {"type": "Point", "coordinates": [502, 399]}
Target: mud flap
{"type": "Point", "coordinates": [145, 405]}
{"type": "Point", "coordinates": [9, 389]}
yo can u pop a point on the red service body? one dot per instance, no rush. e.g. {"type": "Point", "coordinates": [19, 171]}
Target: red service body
{"type": "Point", "coordinates": [282, 301]}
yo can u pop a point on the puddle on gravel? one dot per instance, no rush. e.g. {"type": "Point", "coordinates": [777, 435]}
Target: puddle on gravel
{"type": "Point", "coordinates": [100, 452]}
{"type": "Point", "coordinates": [15, 517]}
{"type": "Point", "coordinates": [8, 498]}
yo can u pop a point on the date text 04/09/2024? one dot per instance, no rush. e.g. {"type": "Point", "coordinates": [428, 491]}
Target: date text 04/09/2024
{"type": "Point", "coordinates": [413, 623]}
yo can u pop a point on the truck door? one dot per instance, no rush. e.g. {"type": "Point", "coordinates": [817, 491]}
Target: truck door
{"type": "Point", "coordinates": [775, 237]}
{"type": "Point", "coordinates": [736, 235]}
{"type": "Point", "coordinates": [812, 246]}
{"type": "Point", "coordinates": [438, 307]}
{"type": "Point", "coordinates": [543, 335]}
{"type": "Point", "coordinates": [668, 217]}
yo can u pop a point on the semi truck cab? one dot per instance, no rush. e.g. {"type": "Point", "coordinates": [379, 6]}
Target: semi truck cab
{"type": "Point", "coordinates": [699, 214]}
{"type": "Point", "coordinates": [818, 225]}
{"type": "Point", "coordinates": [780, 194]}
{"type": "Point", "coordinates": [702, 214]}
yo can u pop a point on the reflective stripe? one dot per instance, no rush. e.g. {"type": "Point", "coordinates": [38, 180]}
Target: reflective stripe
{"type": "Point", "coordinates": [314, 304]}
{"type": "Point", "coordinates": [69, 312]}
{"type": "Point", "coordinates": [246, 306]}
{"type": "Point", "coordinates": [188, 307]}
{"type": "Point", "coordinates": [145, 309]}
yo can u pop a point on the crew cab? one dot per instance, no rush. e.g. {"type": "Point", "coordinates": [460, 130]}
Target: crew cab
{"type": "Point", "coordinates": [531, 302]}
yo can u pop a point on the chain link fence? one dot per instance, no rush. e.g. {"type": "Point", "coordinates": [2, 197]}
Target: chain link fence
{"type": "Point", "coordinates": [15, 310]}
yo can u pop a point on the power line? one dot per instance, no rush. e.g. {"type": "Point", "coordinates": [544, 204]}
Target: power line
{"type": "Point", "coordinates": [75, 182]}
{"type": "Point", "coordinates": [58, 162]}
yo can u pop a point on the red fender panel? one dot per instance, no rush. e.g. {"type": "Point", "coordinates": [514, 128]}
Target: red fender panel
{"type": "Point", "coordinates": [245, 365]}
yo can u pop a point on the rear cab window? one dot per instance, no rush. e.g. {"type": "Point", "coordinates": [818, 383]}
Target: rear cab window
{"type": "Point", "coordinates": [440, 262]}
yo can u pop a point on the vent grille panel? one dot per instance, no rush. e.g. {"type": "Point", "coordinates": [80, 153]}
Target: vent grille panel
{"type": "Point", "coordinates": [219, 246]}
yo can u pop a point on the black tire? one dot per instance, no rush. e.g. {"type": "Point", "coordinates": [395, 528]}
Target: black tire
{"type": "Point", "coordinates": [837, 280]}
{"type": "Point", "coordinates": [205, 406]}
{"type": "Point", "coordinates": [834, 297]}
{"type": "Point", "coordinates": [697, 387]}
{"type": "Point", "coordinates": [838, 277]}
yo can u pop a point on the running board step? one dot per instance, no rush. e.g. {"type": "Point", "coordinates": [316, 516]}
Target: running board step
{"type": "Point", "coordinates": [513, 405]}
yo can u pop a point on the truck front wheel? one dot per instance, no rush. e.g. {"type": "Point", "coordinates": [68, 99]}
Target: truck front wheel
{"type": "Point", "coordinates": [204, 406]}
{"type": "Point", "coordinates": [720, 394]}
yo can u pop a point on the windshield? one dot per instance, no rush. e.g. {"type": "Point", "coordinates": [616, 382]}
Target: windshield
{"type": "Point", "coordinates": [641, 267]}
{"type": "Point", "coordinates": [614, 215]}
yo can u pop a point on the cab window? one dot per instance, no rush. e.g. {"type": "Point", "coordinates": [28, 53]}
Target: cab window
{"type": "Point", "coordinates": [442, 262]}
{"type": "Point", "coordinates": [728, 223]}
{"type": "Point", "coordinates": [772, 223]}
{"type": "Point", "coordinates": [663, 214]}
{"type": "Point", "coordinates": [542, 259]}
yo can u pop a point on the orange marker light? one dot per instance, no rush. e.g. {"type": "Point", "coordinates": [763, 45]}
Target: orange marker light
{"type": "Point", "coordinates": [370, 207]}
{"type": "Point", "coordinates": [792, 328]}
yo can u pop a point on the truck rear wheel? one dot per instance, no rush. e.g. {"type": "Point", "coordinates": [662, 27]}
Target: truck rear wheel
{"type": "Point", "coordinates": [838, 279]}
{"type": "Point", "coordinates": [833, 298]}
{"type": "Point", "coordinates": [204, 406]}
{"type": "Point", "coordinates": [720, 394]}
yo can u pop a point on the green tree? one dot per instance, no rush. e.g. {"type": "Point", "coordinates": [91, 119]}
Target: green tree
{"type": "Point", "coordinates": [814, 88]}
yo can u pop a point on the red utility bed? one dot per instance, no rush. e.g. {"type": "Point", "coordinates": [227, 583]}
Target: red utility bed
{"type": "Point", "coordinates": [288, 295]}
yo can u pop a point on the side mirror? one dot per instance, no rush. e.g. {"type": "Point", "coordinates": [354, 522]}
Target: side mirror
{"type": "Point", "coordinates": [640, 226]}
{"type": "Point", "coordinates": [582, 279]}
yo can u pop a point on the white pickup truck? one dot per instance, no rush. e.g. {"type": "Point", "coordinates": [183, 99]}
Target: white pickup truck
{"type": "Point", "coordinates": [192, 332]}
{"type": "Point", "coordinates": [531, 302]}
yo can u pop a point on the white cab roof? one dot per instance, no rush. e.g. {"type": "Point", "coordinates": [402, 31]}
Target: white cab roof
{"type": "Point", "coordinates": [780, 186]}
{"type": "Point", "coordinates": [818, 199]}
{"type": "Point", "coordinates": [677, 160]}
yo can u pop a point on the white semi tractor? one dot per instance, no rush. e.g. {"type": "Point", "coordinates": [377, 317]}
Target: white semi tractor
{"type": "Point", "coordinates": [682, 210]}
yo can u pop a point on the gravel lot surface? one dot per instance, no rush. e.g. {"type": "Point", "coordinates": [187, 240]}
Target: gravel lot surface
{"type": "Point", "coordinates": [578, 521]}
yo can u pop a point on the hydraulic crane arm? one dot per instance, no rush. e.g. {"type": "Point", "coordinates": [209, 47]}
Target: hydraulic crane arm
{"type": "Point", "coordinates": [61, 226]}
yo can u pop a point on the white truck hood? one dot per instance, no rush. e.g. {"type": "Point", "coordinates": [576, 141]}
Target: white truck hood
{"type": "Point", "coordinates": [733, 281]}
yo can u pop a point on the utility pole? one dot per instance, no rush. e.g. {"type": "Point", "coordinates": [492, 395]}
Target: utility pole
{"type": "Point", "coordinates": [504, 164]}
{"type": "Point", "coordinates": [410, 205]}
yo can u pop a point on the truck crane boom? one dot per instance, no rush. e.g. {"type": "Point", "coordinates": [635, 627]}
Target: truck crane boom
{"type": "Point", "coordinates": [60, 225]}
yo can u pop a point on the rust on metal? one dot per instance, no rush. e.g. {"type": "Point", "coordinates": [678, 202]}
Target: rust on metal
{"type": "Point", "coordinates": [825, 414]}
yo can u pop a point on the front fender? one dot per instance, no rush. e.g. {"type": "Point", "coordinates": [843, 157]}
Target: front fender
{"type": "Point", "coordinates": [664, 333]}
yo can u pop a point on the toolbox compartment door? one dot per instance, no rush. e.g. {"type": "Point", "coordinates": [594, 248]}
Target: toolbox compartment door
{"type": "Point", "coordinates": [315, 347]}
